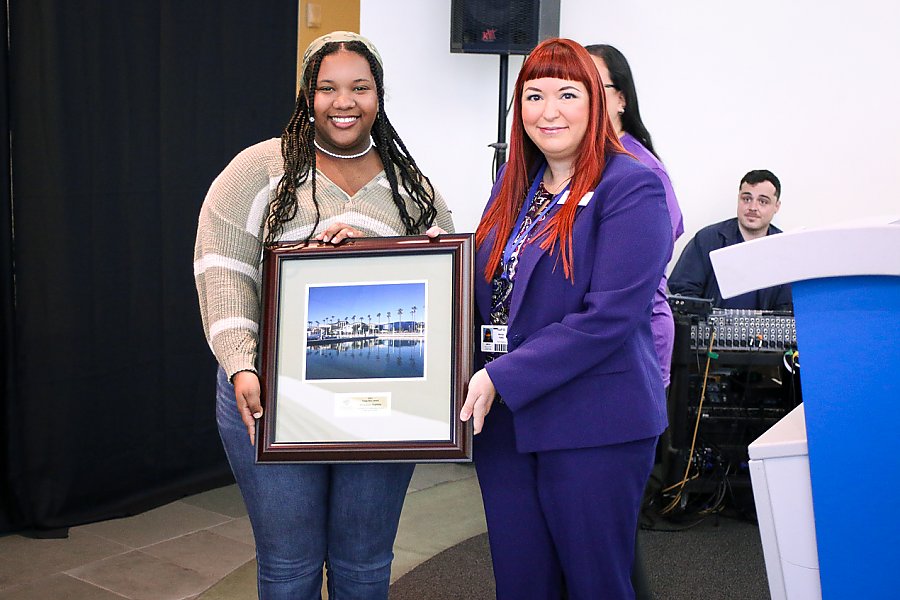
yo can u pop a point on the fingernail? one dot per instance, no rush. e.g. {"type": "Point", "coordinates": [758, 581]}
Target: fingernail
{"type": "Point", "coordinates": [326, 238]}
{"type": "Point", "coordinates": [257, 415]}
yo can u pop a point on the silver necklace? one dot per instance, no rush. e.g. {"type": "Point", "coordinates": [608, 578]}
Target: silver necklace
{"type": "Point", "coordinates": [345, 156]}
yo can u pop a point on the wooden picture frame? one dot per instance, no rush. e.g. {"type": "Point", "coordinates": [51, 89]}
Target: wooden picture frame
{"type": "Point", "coordinates": [366, 350]}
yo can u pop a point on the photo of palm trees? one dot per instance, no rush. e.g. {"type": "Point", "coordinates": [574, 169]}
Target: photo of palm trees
{"type": "Point", "coordinates": [365, 331]}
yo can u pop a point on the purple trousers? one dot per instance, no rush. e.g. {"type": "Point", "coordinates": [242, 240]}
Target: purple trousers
{"type": "Point", "coordinates": [562, 519]}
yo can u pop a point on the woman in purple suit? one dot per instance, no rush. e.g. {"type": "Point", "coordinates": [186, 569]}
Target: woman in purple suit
{"type": "Point", "coordinates": [570, 251]}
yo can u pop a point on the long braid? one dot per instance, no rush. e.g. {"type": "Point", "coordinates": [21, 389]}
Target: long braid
{"type": "Point", "coordinates": [299, 155]}
{"type": "Point", "coordinates": [414, 182]}
{"type": "Point", "coordinates": [394, 154]}
{"type": "Point", "coordinates": [299, 161]}
{"type": "Point", "coordinates": [311, 137]}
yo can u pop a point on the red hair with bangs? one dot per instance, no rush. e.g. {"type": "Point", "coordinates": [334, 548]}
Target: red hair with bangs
{"type": "Point", "coordinates": [557, 58]}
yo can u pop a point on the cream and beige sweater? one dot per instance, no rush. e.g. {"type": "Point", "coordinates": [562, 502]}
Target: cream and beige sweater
{"type": "Point", "coordinates": [231, 231]}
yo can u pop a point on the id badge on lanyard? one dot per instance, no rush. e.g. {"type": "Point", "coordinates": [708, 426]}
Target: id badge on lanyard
{"type": "Point", "coordinates": [493, 339]}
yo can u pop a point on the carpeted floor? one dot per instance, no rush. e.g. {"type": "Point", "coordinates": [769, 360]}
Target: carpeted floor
{"type": "Point", "coordinates": [717, 559]}
{"type": "Point", "coordinates": [463, 571]}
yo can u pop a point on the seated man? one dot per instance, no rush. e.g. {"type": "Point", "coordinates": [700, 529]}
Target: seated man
{"type": "Point", "coordinates": [758, 201]}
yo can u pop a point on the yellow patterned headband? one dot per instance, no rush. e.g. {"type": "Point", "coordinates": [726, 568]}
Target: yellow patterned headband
{"type": "Point", "coordinates": [335, 36]}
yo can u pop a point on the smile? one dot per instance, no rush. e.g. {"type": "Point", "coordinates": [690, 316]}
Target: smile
{"type": "Point", "coordinates": [552, 130]}
{"type": "Point", "coordinates": [344, 120]}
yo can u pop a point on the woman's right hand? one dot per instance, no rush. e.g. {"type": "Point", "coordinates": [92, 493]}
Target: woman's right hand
{"type": "Point", "coordinates": [479, 398]}
{"type": "Point", "coordinates": [246, 394]}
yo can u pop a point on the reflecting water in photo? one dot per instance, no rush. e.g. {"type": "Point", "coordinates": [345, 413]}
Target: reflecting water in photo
{"type": "Point", "coordinates": [369, 358]}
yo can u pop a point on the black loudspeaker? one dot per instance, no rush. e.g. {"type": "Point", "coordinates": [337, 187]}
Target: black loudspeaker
{"type": "Point", "coordinates": [502, 26]}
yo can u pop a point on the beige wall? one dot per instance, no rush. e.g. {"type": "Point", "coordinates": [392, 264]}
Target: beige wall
{"type": "Point", "coordinates": [336, 15]}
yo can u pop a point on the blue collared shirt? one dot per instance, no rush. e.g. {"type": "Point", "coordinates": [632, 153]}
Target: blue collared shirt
{"type": "Point", "coordinates": [693, 273]}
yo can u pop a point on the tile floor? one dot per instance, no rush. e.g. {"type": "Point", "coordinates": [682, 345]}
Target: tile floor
{"type": "Point", "coordinates": [201, 547]}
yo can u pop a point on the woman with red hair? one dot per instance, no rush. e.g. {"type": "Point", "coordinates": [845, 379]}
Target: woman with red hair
{"type": "Point", "coordinates": [570, 250]}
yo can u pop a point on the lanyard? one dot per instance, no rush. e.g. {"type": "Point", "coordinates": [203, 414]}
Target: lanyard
{"type": "Point", "coordinates": [511, 243]}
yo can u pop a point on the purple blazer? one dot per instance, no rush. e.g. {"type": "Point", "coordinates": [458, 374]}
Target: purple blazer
{"type": "Point", "coordinates": [582, 370]}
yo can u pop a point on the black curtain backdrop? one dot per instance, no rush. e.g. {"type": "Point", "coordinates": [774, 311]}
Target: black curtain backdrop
{"type": "Point", "coordinates": [8, 511]}
{"type": "Point", "coordinates": [120, 115]}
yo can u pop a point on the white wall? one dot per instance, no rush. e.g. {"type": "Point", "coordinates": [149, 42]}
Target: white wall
{"type": "Point", "coordinates": [808, 89]}
{"type": "Point", "coordinates": [444, 106]}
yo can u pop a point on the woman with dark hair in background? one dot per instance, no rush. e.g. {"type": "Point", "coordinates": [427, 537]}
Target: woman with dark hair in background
{"type": "Point", "coordinates": [625, 115]}
{"type": "Point", "coordinates": [569, 253]}
{"type": "Point", "coordinates": [339, 171]}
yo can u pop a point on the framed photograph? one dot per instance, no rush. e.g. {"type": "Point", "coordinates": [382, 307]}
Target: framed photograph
{"type": "Point", "coordinates": [366, 350]}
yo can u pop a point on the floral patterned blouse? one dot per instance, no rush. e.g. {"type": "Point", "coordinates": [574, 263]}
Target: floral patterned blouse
{"type": "Point", "coordinates": [502, 284]}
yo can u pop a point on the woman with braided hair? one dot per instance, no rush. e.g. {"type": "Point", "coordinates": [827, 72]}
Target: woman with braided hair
{"type": "Point", "coordinates": [339, 171]}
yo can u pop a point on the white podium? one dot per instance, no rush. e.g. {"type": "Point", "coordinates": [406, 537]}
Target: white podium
{"type": "Point", "coordinates": [846, 291]}
{"type": "Point", "coordinates": [779, 470]}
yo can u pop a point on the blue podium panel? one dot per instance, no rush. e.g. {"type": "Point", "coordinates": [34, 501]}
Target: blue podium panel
{"type": "Point", "coordinates": [849, 334]}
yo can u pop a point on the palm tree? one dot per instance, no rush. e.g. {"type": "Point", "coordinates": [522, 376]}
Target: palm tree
{"type": "Point", "coordinates": [368, 323]}
{"type": "Point", "coordinates": [400, 318]}
{"type": "Point", "coordinates": [353, 325]}
{"type": "Point", "coordinates": [390, 325]}
{"type": "Point", "coordinates": [415, 325]}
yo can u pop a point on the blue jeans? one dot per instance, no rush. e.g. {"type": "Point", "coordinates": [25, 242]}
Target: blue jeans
{"type": "Point", "coordinates": [305, 516]}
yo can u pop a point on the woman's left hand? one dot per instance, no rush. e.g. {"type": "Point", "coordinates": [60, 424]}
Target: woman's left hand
{"type": "Point", "coordinates": [338, 232]}
{"type": "Point", "coordinates": [434, 231]}
{"type": "Point", "coordinates": [479, 399]}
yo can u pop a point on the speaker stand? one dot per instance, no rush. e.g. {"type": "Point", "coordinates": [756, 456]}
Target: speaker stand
{"type": "Point", "coordinates": [500, 145]}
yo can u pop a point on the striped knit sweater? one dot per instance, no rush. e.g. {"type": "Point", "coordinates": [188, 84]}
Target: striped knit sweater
{"type": "Point", "coordinates": [231, 232]}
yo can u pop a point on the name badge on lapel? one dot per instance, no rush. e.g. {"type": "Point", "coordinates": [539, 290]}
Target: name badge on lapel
{"type": "Point", "coordinates": [584, 199]}
{"type": "Point", "coordinates": [493, 339]}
